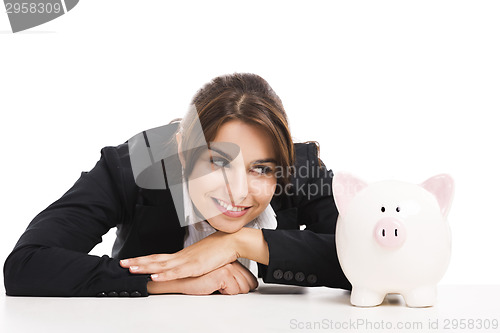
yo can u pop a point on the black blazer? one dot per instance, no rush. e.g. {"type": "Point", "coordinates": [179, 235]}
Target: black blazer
{"type": "Point", "coordinates": [51, 257]}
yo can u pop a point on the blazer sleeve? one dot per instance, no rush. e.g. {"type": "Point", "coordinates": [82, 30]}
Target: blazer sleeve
{"type": "Point", "coordinates": [307, 257]}
{"type": "Point", "coordinates": [51, 257]}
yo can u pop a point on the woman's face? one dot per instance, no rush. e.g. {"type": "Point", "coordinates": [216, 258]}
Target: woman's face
{"type": "Point", "coordinates": [234, 180]}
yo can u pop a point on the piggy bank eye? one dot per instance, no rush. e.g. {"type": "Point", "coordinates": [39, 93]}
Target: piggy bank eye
{"type": "Point", "coordinates": [398, 209]}
{"type": "Point", "coordinates": [382, 209]}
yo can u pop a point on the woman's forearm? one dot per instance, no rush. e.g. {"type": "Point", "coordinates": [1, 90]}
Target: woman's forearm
{"type": "Point", "coordinates": [250, 243]}
{"type": "Point", "coordinates": [39, 270]}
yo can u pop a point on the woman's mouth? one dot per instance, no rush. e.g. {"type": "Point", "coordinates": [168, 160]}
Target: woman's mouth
{"type": "Point", "coordinates": [230, 210]}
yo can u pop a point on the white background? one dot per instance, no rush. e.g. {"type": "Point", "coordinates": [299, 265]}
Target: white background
{"type": "Point", "coordinates": [391, 89]}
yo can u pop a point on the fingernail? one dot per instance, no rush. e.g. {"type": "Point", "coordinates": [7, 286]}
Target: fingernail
{"type": "Point", "coordinates": [154, 276]}
{"type": "Point", "coordinates": [124, 262]}
{"type": "Point", "coordinates": [134, 268]}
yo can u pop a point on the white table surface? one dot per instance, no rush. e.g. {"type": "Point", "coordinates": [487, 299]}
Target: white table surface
{"type": "Point", "coordinates": [272, 308]}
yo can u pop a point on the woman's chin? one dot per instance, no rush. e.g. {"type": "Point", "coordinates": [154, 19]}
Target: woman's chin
{"type": "Point", "coordinates": [227, 227]}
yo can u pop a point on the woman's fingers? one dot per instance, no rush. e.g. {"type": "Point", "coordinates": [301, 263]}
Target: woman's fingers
{"type": "Point", "coordinates": [229, 284]}
{"type": "Point", "coordinates": [154, 263]}
{"type": "Point", "coordinates": [250, 278]}
{"type": "Point", "coordinates": [237, 279]}
{"type": "Point", "coordinates": [164, 267]}
{"type": "Point", "coordinates": [137, 261]}
{"type": "Point", "coordinates": [250, 281]}
{"type": "Point", "coordinates": [180, 268]}
{"type": "Point", "coordinates": [244, 286]}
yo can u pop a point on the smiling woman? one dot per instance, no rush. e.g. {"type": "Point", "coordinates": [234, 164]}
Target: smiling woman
{"type": "Point", "coordinates": [244, 191]}
{"type": "Point", "coordinates": [197, 235]}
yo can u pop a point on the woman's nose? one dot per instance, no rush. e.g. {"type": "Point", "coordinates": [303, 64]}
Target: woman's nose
{"type": "Point", "coordinates": [237, 185]}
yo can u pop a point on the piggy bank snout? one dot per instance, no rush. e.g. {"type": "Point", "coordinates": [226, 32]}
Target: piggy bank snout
{"type": "Point", "coordinates": [390, 233]}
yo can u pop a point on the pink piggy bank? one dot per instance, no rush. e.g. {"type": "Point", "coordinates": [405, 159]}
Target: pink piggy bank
{"type": "Point", "coordinates": [393, 237]}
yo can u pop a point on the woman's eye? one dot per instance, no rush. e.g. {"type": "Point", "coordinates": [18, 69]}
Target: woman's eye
{"type": "Point", "coordinates": [262, 170]}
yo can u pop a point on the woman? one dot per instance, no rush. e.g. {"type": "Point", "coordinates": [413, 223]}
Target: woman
{"type": "Point", "coordinates": [225, 175]}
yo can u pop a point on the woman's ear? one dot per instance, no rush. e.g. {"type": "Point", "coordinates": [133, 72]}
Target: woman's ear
{"type": "Point", "coordinates": [178, 137]}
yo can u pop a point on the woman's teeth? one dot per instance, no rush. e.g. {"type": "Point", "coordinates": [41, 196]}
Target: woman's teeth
{"type": "Point", "coordinates": [229, 207]}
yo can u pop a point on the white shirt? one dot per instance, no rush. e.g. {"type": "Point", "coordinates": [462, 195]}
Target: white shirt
{"type": "Point", "coordinates": [196, 231]}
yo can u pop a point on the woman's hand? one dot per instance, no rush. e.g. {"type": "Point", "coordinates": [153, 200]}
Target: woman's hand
{"type": "Point", "coordinates": [202, 257]}
{"type": "Point", "coordinates": [230, 279]}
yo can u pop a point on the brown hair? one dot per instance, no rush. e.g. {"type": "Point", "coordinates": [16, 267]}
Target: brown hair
{"type": "Point", "coordinates": [243, 96]}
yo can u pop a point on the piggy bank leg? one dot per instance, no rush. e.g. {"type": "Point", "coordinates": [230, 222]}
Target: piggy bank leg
{"type": "Point", "coordinates": [421, 297]}
{"type": "Point", "coordinates": [366, 297]}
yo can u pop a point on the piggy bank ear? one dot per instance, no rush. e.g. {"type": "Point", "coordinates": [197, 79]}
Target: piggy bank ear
{"type": "Point", "coordinates": [442, 186]}
{"type": "Point", "coordinates": [345, 187]}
